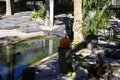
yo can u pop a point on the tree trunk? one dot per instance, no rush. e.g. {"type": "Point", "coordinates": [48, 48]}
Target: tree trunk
{"type": "Point", "coordinates": [77, 27]}
{"type": "Point", "coordinates": [8, 7]}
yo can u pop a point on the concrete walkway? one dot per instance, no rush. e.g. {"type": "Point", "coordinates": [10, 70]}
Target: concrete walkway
{"type": "Point", "coordinates": [50, 71]}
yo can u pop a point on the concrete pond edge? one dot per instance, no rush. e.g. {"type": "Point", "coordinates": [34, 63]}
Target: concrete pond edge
{"type": "Point", "coordinates": [44, 60]}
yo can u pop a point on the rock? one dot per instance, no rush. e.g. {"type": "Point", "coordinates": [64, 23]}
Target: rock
{"type": "Point", "coordinates": [10, 16]}
{"type": "Point", "coordinates": [11, 39]}
{"type": "Point", "coordinates": [84, 52]}
{"type": "Point", "coordinates": [39, 21]}
{"type": "Point", "coordinates": [33, 24]}
{"type": "Point", "coordinates": [2, 43]}
{"type": "Point", "coordinates": [60, 15]}
{"type": "Point", "coordinates": [115, 74]}
{"type": "Point", "coordinates": [7, 25]}
{"type": "Point", "coordinates": [91, 41]}
{"type": "Point", "coordinates": [66, 19]}
{"type": "Point", "coordinates": [12, 22]}
{"type": "Point", "coordinates": [22, 22]}
{"type": "Point", "coordinates": [8, 40]}
{"type": "Point", "coordinates": [25, 13]}
{"type": "Point", "coordinates": [59, 33]}
{"type": "Point", "coordinates": [58, 22]}
{"type": "Point", "coordinates": [112, 53]}
{"type": "Point", "coordinates": [61, 28]}
{"type": "Point", "coordinates": [30, 27]}
{"type": "Point", "coordinates": [81, 74]}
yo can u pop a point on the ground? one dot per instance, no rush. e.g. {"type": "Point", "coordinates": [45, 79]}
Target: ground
{"type": "Point", "coordinates": [22, 27]}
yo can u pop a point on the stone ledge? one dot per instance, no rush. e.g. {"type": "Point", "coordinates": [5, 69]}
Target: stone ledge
{"type": "Point", "coordinates": [10, 37]}
{"type": "Point", "coordinates": [43, 60]}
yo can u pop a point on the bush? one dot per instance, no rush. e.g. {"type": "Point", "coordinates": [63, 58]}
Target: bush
{"type": "Point", "coordinates": [39, 13]}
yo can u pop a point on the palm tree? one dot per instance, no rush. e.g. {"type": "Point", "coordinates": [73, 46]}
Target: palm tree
{"type": "Point", "coordinates": [77, 26]}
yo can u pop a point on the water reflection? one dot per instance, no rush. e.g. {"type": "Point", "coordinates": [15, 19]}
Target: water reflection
{"type": "Point", "coordinates": [15, 58]}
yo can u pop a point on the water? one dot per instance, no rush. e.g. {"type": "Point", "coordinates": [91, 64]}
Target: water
{"type": "Point", "coordinates": [15, 58]}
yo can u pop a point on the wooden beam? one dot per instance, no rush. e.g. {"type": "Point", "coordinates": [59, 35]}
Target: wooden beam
{"type": "Point", "coordinates": [8, 7]}
{"type": "Point", "coordinates": [51, 12]}
{"type": "Point", "coordinates": [47, 13]}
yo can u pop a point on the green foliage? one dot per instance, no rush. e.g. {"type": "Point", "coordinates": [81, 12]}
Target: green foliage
{"type": "Point", "coordinates": [89, 23]}
{"type": "Point", "coordinates": [81, 57]}
{"type": "Point", "coordinates": [68, 60]}
{"type": "Point", "coordinates": [39, 13]}
{"type": "Point", "coordinates": [74, 43]}
{"type": "Point", "coordinates": [69, 74]}
{"type": "Point", "coordinates": [95, 15]}
{"type": "Point", "coordinates": [85, 65]}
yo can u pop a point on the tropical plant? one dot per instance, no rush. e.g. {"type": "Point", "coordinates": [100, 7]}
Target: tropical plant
{"type": "Point", "coordinates": [95, 15]}
{"type": "Point", "coordinates": [39, 13]}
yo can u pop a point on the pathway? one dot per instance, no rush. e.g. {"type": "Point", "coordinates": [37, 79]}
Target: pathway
{"type": "Point", "coordinates": [50, 71]}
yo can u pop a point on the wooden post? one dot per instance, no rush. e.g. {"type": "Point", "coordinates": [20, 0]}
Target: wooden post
{"type": "Point", "coordinates": [51, 12]}
{"type": "Point", "coordinates": [8, 7]}
{"type": "Point", "coordinates": [47, 22]}
{"type": "Point", "coordinates": [64, 56]}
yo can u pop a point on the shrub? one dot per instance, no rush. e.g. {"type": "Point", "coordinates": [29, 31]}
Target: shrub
{"type": "Point", "coordinates": [39, 13]}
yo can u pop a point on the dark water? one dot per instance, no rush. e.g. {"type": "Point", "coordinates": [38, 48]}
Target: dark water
{"type": "Point", "coordinates": [15, 58]}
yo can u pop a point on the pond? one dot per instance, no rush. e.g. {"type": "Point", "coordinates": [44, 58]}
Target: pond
{"type": "Point", "coordinates": [16, 57]}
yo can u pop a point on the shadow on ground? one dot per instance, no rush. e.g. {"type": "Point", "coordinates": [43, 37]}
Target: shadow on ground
{"type": "Point", "coordinates": [49, 71]}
